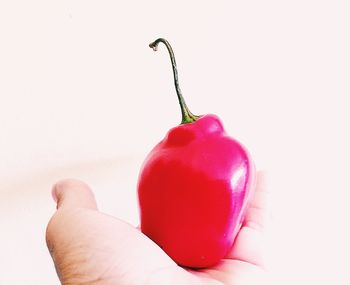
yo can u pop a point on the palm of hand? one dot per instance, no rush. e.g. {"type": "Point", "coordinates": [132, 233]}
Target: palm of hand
{"type": "Point", "coordinates": [89, 247]}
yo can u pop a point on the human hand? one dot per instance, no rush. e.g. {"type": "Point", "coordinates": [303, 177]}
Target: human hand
{"type": "Point", "coordinates": [89, 247]}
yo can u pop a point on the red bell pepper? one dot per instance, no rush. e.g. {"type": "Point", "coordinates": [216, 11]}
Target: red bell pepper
{"type": "Point", "coordinates": [193, 188]}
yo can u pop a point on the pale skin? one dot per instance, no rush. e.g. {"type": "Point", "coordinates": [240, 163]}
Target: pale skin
{"type": "Point", "coordinates": [92, 248]}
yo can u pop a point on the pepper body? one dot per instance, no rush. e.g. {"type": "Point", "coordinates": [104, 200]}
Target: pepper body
{"type": "Point", "coordinates": [193, 190]}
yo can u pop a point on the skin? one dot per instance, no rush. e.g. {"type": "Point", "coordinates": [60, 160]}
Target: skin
{"type": "Point", "coordinates": [89, 247]}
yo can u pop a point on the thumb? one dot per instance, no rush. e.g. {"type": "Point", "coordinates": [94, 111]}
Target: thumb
{"type": "Point", "coordinates": [72, 193]}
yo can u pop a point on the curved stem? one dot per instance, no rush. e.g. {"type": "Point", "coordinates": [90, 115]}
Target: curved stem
{"type": "Point", "coordinates": [187, 116]}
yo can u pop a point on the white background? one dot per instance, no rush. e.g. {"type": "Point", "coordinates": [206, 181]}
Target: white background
{"type": "Point", "coordinates": [82, 95]}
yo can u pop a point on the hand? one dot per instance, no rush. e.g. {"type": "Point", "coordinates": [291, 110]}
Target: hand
{"type": "Point", "coordinates": [89, 247]}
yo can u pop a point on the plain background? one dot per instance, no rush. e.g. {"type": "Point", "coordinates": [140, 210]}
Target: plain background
{"type": "Point", "coordinates": [82, 95]}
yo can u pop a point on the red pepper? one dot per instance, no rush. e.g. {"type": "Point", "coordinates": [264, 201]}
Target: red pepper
{"type": "Point", "coordinates": [193, 188]}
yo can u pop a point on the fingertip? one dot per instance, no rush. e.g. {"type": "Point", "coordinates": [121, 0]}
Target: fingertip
{"type": "Point", "coordinates": [53, 192]}
{"type": "Point", "coordinates": [262, 180]}
{"type": "Point", "coordinates": [258, 212]}
{"type": "Point", "coordinates": [73, 193]}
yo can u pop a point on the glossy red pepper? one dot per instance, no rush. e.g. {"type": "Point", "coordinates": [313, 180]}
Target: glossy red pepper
{"type": "Point", "coordinates": [193, 188]}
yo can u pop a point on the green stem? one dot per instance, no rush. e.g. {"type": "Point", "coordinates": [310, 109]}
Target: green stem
{"type": "Point", "coordinates": [187, 116]}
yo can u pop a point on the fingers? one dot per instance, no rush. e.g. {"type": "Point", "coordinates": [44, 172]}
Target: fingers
{"type": "Point", "coordinates": [250, 245]}
{"type": "Point", "coordinates": [72, 193]}
{"type": "Point", "coordinates": [258, 212]}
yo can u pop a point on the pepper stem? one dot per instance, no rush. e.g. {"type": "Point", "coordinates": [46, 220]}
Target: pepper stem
{"type": "Point", "coordinates": [187, 116]}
